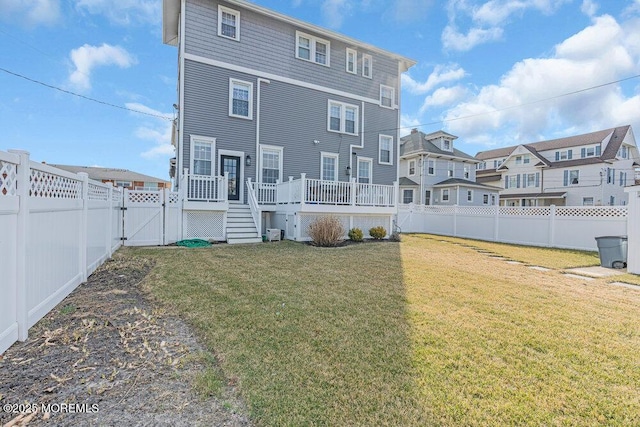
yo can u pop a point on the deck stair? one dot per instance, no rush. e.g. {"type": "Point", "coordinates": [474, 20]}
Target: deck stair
{"type": "Point", "coordinates": [240, 225]}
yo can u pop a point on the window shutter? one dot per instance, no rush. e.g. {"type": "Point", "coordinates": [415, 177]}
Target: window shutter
{"type": "Point", "coordinates": [557, 156]}
{"type": "Point", "coordinates": [566, 178]}
{"type": "Point", "coordinates": [518, 184]}
{"type": "Point", "coordinates": [537, 179]}
{"type": "Point", "coordinates": [613, 176]}
{"type": "Point", "coordinates": [506, 182]}
{"type": "Point", "coordinates": [583, 152]}
{"type": "Point", "coordinates": [570, 155]}
{"type": "Point", "coordinates": [598, 150]}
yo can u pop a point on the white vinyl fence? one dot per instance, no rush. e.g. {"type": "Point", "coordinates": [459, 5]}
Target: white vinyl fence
{"type": "Point", "coordinates": [570, 227]}
{"type": "Point", "coordinates": [56, 228]}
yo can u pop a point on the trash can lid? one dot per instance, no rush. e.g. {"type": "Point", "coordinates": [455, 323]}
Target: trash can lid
{"type": "Point", "coordinates": [611, 237]}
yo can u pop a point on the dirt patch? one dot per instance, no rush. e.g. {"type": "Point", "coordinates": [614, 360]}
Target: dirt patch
{"type": "Point", "coordinates": [106, 355]}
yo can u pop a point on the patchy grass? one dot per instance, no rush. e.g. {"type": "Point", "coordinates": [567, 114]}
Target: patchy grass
{"type": "Point", "coordinates": [550, 258]}
{"type": "Point", "coordinates": [414, 333]}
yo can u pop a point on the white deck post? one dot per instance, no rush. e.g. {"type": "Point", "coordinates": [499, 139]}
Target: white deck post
{"type": "Point", "coordinates": [23, 187]}
{"type": "Point", "coordinates": [395, 196]}
{"type": "Point", "coordinates": [225, 187]}
{"type": "Point", "coordinates": [290, 186]}
{"type": "Point", "coordinates": [303, 184]}
{"type": "Point", "coordinates": [353, 191]}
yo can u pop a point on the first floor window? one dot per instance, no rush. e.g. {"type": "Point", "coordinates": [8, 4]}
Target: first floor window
{"type": "Point", "coordinates": [329, 167]}
{"type": "Point", "coordinates": [241, 99]}
{"type": "Point", "coordinates": [385, 144]}
{"type": "Point", "coordinates": [445, 195]}
{"type": "Point", "coordinates": [587, 201]}
{"type": "Point", "coordinates": [571, 177]}
{"type": "Point", "coordinates": [202, 154]}
{"type": "Point", "coordinates": [469, 195]}
{"type": "Point", "coordinates": [485, 199]}
{"type": "Point", "coordinates": [364, 171]}
{"type": "Point", "coordinates": [343, 118]}
{"type": "Point", "coordinates": [407, 196]}
{"type": "Point", "coordinates": [271, 165]}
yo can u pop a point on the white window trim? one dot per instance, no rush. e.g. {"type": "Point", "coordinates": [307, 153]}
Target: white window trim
{"type": "Point", "coordinates": [234, 153]}
{"type": "Point", "coordinates": [370, 58]}
{"type": "Point", "coordinates": [451, 167]}
{"type": "Point", "coordinates": [380, 138]}
{"type": "Point", "coordinates": [280, 160]}
{"type": "Point", "coordinates": [233, 81]}
{"type": "Point", "coordinates": [368, 160]}
{"type": "Point", "coordinates": [469, 192]}
{"type": "Point", "coordinates": [442, 192]}
{"type": "Point", "coordinates": [203, 140]}
{"type": "Point", "coordinates": [230, 12]}
{"type": "Point", "coordinates": [413, 194]}
{"type": "Point", "coordinates": [466, 172]}
{"type": "Point", "coordinates": [409, 168]}
{"type": "Point", "coordinates": [393, 97]}
{"type": "Point", "coordinates": [312, 48]}
{"type": "Point", "coordinates": [324, 154]}
{"type": "Point", "coordinates": [355, 61]}
{"type": "Point", "coordinates": [343, 114]}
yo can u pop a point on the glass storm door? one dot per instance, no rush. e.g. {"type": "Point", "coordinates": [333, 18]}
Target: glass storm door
{"type": "Point", "coordinates": [231, 164]}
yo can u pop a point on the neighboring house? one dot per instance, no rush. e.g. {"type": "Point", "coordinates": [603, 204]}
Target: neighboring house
{"type": "Point", "coordinates": [119, 177]}
{"type": "Point", "coordinates": [280, 121]}
{"type": "Point", "coordinates": [434, 172]}
{"type": "Point", "coordinates": [590, 169]}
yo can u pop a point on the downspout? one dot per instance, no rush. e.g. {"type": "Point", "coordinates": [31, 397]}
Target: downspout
{"type": "Point", "coordinates": [181, 50]}
{"type": "Point", "coordinates": [258, 159]}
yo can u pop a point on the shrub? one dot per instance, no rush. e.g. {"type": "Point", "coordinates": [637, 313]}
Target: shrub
{"type": "Point", "coordinates": [356, 235]}
{"type": "Point", "coordinates": [326, 231]}
{"type": "Point", "coordinates": [377, 232]}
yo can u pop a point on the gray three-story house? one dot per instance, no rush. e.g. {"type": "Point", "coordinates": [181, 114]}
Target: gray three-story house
{"type": "Point", "coordinates": [279, 122]}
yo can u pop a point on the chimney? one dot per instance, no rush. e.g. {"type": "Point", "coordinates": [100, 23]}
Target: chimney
{"type": "Point", "coordinates": [414, 130]}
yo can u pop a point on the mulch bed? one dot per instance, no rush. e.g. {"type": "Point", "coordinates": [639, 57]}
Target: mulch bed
{"type": "Point", "coordinates": [112, 352]}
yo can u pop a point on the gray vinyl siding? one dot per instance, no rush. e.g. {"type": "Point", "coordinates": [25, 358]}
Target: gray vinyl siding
{"type": "Point", "coordinates": [268, 45]}
{"type": "Point", "coordinates": [291, 117]}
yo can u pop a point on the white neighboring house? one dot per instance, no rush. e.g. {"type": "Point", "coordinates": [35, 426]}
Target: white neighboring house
{"type": "Point", "coordinates": [434, 172]}
{"type": "Point", "coordinates": [590, 169]}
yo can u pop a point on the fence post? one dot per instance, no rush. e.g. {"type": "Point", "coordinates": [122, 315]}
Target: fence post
{"type": "Point", "coordinates": [82, 244]}
{"type": "Point", "coordinates": [22, 235]}
{"type": "Point", "coordinates": [110, 220]}
{"type": "Point", "coordinates": [496, 224]}
{"type": "Point", "coordinates": [552, 225]}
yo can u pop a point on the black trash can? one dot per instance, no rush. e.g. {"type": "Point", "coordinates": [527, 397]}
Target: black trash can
{"type": "Point", "coordinates": [613, 251]}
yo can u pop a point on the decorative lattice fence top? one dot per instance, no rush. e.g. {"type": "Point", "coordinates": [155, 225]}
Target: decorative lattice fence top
{"type": "Point", "coordinates": [98, 192]}
{"type": "Point", "coordinates": [8, 178]}
{"type": "Point", "coordinates": [50, 186]}
{"type": "Point", "coordinates": [525, 211]}
{"type": "Point", "coordinates": [593, 211]}
{"type": "Point", "coordinates": [143, 196]}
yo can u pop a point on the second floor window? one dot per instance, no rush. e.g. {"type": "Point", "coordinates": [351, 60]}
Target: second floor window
{"type": "Point", "coordinates": [240, 99]}
{"type": "Point", "coordinates": [412, 167]}
{"type": "Point", "coordinates": [313, 49]}
{"type": "Point", "coordinates": [385, 144]}
{"type": "Point", "coordinates": [387, 94]}
{"type": "Point", "coordinates": [343, 118]}
{"type": "Point", "coordinates": [467, 172]}
{"type": "Point", "coordinates": [271, 161]}
{"type": "Point", "coordinates": [571, 177]}
{"type": "Point", "coordinates": [228, 23]}
{"type": "Point", "coordinates": [431, 167]}
{"type": "Point", "coordinates": [450, 169]}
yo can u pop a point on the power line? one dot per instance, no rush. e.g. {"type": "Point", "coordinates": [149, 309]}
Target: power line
{"type": "Point", "coordinates": [83, 96]}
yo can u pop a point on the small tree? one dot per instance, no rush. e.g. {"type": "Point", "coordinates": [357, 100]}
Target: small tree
{"type": "Point", "coordinates": [326, 231]}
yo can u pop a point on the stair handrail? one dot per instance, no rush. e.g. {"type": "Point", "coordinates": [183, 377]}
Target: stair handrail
{"type": "Point", "coordinates": [256, 213]}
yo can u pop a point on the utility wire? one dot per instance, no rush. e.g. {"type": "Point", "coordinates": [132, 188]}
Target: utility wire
{"type": "Point", "coordinates": [84, 97]}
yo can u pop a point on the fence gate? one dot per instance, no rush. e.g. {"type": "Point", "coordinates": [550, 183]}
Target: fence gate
{"type": "Point", "coordinates": [143, 218]}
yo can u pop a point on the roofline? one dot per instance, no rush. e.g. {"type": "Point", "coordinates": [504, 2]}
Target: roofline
{"type": "Point", "coordinates": [471, 185]}
{"type": "Point", "coordinates": [171, 10]}
{"type": "Point", "coordinates": [437, 155]}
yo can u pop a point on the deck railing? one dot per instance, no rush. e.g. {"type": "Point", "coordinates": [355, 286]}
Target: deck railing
{"type": "Point", "coordinates": [206, 188]}
{"type": "Point", "coordinates": [316, 191]}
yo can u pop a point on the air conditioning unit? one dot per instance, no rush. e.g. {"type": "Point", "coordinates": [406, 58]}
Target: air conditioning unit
{"type": "Point", "coordinates": [273, 234]}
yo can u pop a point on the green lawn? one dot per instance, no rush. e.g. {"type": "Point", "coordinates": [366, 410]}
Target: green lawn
{"type": "Point", "coordinates": [421, 332]}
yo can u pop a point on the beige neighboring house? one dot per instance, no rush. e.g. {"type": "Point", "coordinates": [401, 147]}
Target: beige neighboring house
{"type": "Point", "coordinates": [583, 170]}
{"type": "Point", "coordinates": [119, 177]}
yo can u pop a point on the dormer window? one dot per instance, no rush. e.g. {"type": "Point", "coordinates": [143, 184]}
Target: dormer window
{"type": "Point", "coordinates": [446, 145]}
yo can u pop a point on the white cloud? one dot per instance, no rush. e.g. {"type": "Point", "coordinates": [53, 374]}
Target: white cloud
{"type": "Point", "coordinates": [31, 13]}
{"type": "Point", "coordinates": [604, 52]}
{"type": "Point", "coordinates": [444, 96]}
{"type": "Point", "coordinates": [124, 12]}
{"type": "Point", "coordinates": [404, 11]}
{"type": "Point", "coordinates": [441, 74]}
{"type": "Point", "coordinates": [335, 11]}
{"type": "Point", "coordinates": [87, 57]}
{"type": "Point", "coordinates": [407, 122]}
{"type": "Point", "coordinates": [589, 7]}
{"type": "Point", "coordinates": [157, 131]}
{"type": "Point", "coordinates": [455, 40]}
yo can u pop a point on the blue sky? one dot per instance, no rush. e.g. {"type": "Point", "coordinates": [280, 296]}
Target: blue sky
{"type": "Point", "coordinates": [494, 73]}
